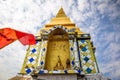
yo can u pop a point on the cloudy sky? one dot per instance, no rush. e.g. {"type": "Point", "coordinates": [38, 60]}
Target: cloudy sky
{"type": "Point", "coordinates": [100, 18]}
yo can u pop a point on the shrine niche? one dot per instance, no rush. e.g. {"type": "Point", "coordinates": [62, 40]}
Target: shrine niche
{"type": "Point", "coordinates": [61, 48]}
{"type": "Point", "coordinates": [57, 50]}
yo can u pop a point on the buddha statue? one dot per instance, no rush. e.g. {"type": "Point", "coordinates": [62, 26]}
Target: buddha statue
{"type": "Point", "coordinates": [59, 65]}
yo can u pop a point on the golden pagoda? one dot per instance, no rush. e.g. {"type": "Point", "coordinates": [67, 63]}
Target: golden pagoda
{"type": "Point", "coordinates": [62, 52]}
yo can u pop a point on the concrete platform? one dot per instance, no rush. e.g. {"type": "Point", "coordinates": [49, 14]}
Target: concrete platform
{"type": "Point", "coordinates": [57, 77]}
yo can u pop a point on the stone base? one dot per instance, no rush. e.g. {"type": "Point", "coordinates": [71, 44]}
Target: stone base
{"type": "Point", "coordinates": [61, 77]}
{"type": "Point", "coordinates": [21, 77]}
{"type": "Point", "coordinates": [57, 77]}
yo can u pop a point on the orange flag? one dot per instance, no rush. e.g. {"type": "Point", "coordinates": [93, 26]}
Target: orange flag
{"type": "Point", "coordinates": [8, 35]}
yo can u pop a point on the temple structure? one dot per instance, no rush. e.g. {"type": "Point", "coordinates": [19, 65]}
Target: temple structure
{"type": "Point", "coordinates": [62, 52]}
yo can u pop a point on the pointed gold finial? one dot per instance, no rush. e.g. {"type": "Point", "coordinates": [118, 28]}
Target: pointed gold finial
{"type": "Point", "coordinates": [61, 13]}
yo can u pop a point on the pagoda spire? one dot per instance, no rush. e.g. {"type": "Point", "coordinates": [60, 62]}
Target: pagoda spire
{"type": "Point", "coordinates": [60, 19]}
{"type": "Point", "coordinates": [61, 13]}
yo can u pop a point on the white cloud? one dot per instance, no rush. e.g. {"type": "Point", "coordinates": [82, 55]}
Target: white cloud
{"type": "Point", "coordinates": [82, 4]}
{"type": "Point", "coordinates": [25, 15]}
{"type": "Point", "coordinates": [11, 60]}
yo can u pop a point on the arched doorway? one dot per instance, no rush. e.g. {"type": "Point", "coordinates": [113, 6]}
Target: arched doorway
{"type": "Point", "coordinates": [58, 53]}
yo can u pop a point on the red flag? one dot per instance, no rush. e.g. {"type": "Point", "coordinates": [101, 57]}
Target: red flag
{"type": "Point", "coordinates": [25, 38]}
{"type": "Point", "coordinates": [8, 35]}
